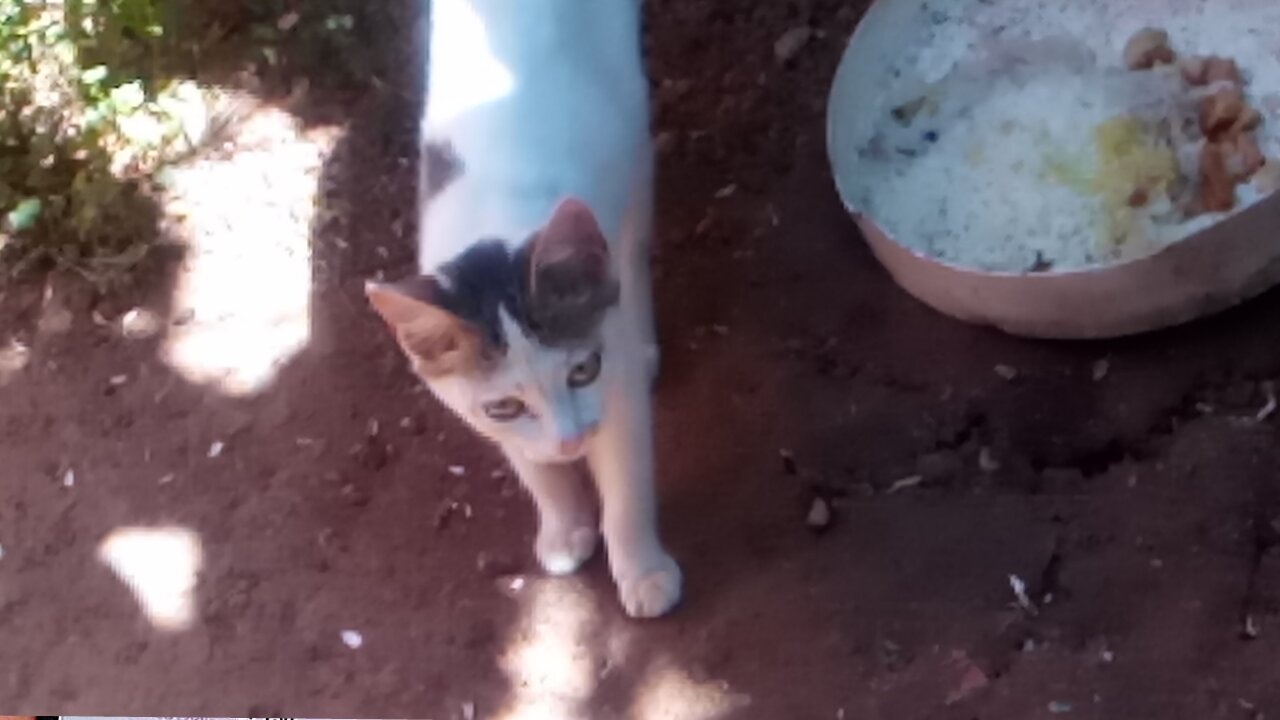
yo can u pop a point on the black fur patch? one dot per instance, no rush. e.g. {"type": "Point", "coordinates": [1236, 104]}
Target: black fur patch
{"type": "Point", "coordinates": [488, 277]}
{"type": "Point", "coordinates": [440, 167]}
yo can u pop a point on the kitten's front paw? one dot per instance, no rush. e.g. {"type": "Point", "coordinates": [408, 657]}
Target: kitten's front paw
{"type": "Point", "coordinates": [562, 550]}
{"type": "Point", "coordinates": [653, 592]}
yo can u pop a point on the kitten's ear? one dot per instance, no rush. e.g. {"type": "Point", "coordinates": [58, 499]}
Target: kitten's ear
{"type": "Point", "coordinates": [570, 285]}
{"type": "Point", "coordinates": [440, 341]}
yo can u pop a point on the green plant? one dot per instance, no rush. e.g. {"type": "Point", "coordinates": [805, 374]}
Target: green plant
{"type": "Point", "coordinates": [86, 120]}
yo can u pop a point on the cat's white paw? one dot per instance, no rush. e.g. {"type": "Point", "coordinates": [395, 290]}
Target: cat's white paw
{"type": "Point", "coordinates": [562, 550]}
{"type": "Point", "coordinates": [653, 592]}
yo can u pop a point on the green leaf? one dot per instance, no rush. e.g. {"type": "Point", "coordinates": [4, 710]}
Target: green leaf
{"type": "Point", "coordinates": [25, 214]}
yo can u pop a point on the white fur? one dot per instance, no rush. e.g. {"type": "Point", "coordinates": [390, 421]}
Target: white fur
{"type": "Point", "coordinates": [542, 100]}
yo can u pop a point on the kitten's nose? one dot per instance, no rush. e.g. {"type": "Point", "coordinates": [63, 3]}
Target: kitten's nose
{"type": "Point", "coordinates": [573, 444]}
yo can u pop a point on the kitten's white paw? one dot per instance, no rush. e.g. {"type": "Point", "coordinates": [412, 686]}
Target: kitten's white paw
{"type": "Point", "coordinates": [651, 593]}
{"type": "Point", "coordinates": [562, 551]}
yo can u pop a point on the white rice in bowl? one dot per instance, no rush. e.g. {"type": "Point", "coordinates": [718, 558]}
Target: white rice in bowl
{"type": "Point", "coordinates": [985, 153]}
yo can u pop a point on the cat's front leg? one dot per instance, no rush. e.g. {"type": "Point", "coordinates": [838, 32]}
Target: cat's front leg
{"type": "Point", "coordinates": [567, 528]}
{"type": "Point", "coordinates": [621, 459]}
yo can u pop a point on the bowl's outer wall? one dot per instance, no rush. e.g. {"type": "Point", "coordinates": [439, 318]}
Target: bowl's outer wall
{"type": "Point", "coordinates": [1210, 271]}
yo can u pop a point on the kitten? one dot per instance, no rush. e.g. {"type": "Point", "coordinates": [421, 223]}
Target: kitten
{"type": "Point", "coordinates": [532, 317]}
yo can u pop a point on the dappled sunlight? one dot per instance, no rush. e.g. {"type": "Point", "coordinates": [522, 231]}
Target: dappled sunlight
{"type": "Point", "coordinates": [460, 40]}
{"type": "Point", "coordinates": [160, 566]}
{"type": "Point", "coordinates": [14, 357]}
{"type": "Point", "coordinates": [561, 650]}
{"type": "Point", "coordinates": [242, 303]}
{"type": "Point", "coordinates": [549, 659]}
{"type": "Point", "coordinates": [669, 693]}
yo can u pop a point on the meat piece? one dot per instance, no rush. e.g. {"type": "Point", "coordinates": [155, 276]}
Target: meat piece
{"type": "Point", "coordinates": [1148, 48]}
{"type": "Point", "coordinates": [1198, 71]}
{"type": "Point", "coordinates": [1244, 157]}
{"type": "Point", "coordinates": [1248, 121]}
{"type": "Point", "coordinates": [1217, 187]}
{"type": "Point", "coordinates": [1220, 69]}
{"type": "Point", "coordinates": [1220, 111]}
{"type": "Point", "coordinates": [1139, 197]}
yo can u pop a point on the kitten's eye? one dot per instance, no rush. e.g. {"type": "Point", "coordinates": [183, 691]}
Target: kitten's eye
{"type": "Point", "coordinates": [505, 410]}
{"type": "Point", "coordinates": [585, 372]}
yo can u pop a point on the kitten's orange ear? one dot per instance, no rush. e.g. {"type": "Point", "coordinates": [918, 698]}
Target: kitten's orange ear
{"type": "Point", "coordinates": [570, 285]}
{"type": "Point", "coordinates": [441, 342]}
{"type": "Point", "coordinates": [405, 301]}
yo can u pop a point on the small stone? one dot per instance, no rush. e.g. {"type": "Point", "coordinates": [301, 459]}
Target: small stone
{"type": "Point", "coordinates": [352, 639]}
{"type": "Point", "coordinates": [139, 324]}
{"type": "Point", "coordinates": [457, 470]}
{"type": "Point", "coordinates": [166, 479]}
{"type": "Point", "coordinates": [904, 483]}
{"type": "Point", "coordinates": [118, 380]}
{"type": "Point", "coordinates": [971, 681]}
{"type": "Point", "coordinates": [1006, 372]}
{"type": "Point", "coordinates": [1100, 369]}
{"type": "Point", "coordinates": [511, 585]}
{"type": "Point", "coordinates": [216, 449]}
{"type": "Point", "coordinates": [987, 462]}
{"type": "Point", "coordinates": [69, 478]}
{"type": "Point", "coordinates": [287, 21]}
{"type": "Point", "coordinates": [819, 517]}
{"type": "Point", "coordinates": [791, 42]}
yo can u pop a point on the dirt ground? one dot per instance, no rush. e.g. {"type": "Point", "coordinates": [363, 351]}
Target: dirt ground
{"type": "Point", "coordinates": [363, 556]}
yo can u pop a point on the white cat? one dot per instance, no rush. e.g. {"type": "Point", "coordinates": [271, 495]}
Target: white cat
{"type": "Point", "coordinates": [532, 317]}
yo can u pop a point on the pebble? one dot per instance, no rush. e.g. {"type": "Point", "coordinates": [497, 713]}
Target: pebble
{"type": "Point", "coordinates": [352, 639]}
{"type": "Point", "coordinates": [1006, 372]}
{"type": "Point", "coordinates": [819, 517]}
{"type": "Point", "coordinates": [139, 324]}
{"type": "Point", "coordinates": [1100, 369]}
{"type": "Point", "coordinates": [791, 42]}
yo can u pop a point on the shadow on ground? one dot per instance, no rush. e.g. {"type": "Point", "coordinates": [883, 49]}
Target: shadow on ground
{"type": "Point", "coordinates": [363, 556]}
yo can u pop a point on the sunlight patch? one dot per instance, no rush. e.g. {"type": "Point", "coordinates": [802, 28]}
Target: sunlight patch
{"type": "Point", "coordinates": [549, 661]}
{"type": "Point", "coordinates": [459, 40]}
{"type": "Point", "coordinates": [667, 693]}
{"type": "Point", "coordinates": [242, 302]}
{"type": "Point", "coordinates": [160, 566]}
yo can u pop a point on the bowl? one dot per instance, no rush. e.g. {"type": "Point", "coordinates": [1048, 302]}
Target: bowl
{"type": "Point", "coordinates": [1209, 271]}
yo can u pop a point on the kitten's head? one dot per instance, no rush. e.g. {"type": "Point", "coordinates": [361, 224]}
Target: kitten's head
{"type": "Point", "coordinates": [511, 341]}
